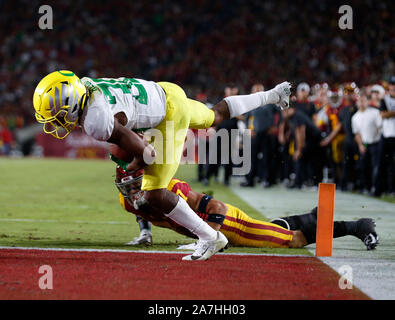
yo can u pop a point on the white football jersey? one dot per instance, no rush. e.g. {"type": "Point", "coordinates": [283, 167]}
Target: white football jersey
{"type": "Point", "coordinates": [143, 102]}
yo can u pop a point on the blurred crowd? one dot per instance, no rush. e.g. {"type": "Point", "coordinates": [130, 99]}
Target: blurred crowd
{"type": "Point", "coordinates": [343, 134]}
{"type": "Point", "coordinates": [203, 46]}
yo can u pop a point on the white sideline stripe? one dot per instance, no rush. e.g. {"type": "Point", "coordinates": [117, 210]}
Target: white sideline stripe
{"type": "Point", "coordinates": [373, 271]}
{"type": "Point", "coordinates": [63, 221]}
{"type": "Point", "coordinates": [152, 251]}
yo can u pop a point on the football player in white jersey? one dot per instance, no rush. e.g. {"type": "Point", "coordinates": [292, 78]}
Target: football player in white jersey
{"type": "Point", "coordinates": [112, 109]}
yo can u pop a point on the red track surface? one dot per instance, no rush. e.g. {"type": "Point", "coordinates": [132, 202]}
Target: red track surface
{"type": "Point", "coordinates": [140, 276]}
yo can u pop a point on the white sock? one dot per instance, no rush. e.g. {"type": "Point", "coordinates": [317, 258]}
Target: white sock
{"type": "Point", "coordinates": [243, 103]}
{"type": "Point", "coordinates": [186, 217]}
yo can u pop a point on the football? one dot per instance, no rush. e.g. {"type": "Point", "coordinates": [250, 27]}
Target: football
{"type": "Point", "coordinates": [120, 153]}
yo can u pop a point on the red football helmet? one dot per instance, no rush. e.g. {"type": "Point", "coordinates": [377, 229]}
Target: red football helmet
{"type": "Point", "coordinates": [128, 183]}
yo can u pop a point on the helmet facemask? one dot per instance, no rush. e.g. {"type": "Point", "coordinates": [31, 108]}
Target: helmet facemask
{"type": "Point", "coordinates": [127, 184]}
{"type": "Point", "coordinates": [58, 126]}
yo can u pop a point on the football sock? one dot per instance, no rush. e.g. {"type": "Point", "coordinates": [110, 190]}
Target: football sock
{"type": "Point", "coordinates": [186, 217]}
{"type": "Point", "coordinates": [307, 223]}
{"type": "Point", "coordinates": [243, 103]}
{"type": "Point", "coordinates": [344, 228]}
{"type": "Point", "coordinates": [340, 229]}
{"type": "Point", "coordinates": [143, 224]}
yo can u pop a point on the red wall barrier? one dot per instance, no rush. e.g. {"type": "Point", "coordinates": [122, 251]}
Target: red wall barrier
{"type": "Point", "coordinates": [76, 145]}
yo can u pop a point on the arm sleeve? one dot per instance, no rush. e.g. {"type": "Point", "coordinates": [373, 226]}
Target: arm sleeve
{"type": "Point", "coordinates": [99, 123]}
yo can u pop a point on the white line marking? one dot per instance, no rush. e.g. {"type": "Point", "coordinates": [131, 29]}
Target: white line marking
{"type": "Point", "coordinates": [373, 270]}
{"type": "Point", "coordinates": [151, 251]}
{"type": "Point", "coordinates": [64, 221]}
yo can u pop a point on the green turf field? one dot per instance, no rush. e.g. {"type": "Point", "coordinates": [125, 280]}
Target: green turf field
{"type": "Point", "coordinates": [74, 204]}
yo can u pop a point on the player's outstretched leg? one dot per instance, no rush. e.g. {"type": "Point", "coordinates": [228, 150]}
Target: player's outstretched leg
{"type": "Point", "coordinates": [364, 229]}
{"type": "Point", "coordinates": [210, 241]}
{"type": "Point", "coordinates": [234, 106]}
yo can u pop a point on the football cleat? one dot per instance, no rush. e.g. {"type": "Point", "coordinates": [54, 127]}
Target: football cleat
{"type": "Point", "coordinates": [284, 91]}
{"type": "Point", "coordinates": [145, 238]}
{"type": "Point", "coordinates": [366, 232]}
{"type": "Point", "coordinates": [206, 248]}
{"type": "Point", "coordinates": [190, 246]}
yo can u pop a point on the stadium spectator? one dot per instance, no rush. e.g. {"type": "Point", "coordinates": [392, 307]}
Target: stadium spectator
{"type": "Point", "coordinates": [387, 142]}
{"type": "Point", "coordinates": [377, 93]}
{"type": "Point", "coordinates": [366, 125]}
{"type": "Point", "coordinates": [350, 92]}
{"type": "Point", "coordinates": [302, 102]}
{"type": "Point", "coordinates": [6, 138]}
{"type": "Point", "coordinates": [225, 147]}
{"type": "Point", "coordinates": [203, 137]}
{"type": "Point", "coordinates": [253, 119]}
{"type": "Point", "coordinates": [307, 154]}
{"type": "Point", "coordinates": [350, 149]}
{"type": "Point", "coordinates": [172, 41]}
{"type": "Point", "coordinates": [263, 123]}
{"type": "Point", "coordinates": [189, 35]}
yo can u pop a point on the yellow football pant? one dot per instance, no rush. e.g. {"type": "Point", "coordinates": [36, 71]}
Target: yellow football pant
{"type": "Point", "coordinates": [181, 113]}
{"type": "Point", "coordinates": [242, 230]}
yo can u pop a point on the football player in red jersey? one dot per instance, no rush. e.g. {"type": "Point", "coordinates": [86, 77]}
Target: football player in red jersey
{"type": "Point", "coordinates": [241, 230]}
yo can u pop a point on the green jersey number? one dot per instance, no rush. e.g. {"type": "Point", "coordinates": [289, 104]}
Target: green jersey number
{"type": "Point", "coordinates": [125, 85]}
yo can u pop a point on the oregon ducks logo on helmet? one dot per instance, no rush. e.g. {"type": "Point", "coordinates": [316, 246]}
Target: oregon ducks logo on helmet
{"type": "Point", "coordinates": [58, 100]}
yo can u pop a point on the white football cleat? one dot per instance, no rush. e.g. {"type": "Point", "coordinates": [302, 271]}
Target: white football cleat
{"type": "Point", "coordinates": [145, 238]}
{"type": "Point", "coordinates": [284, 91]}
{"type": "Point", "coordinates": [190, 246]}
{"type": "Point", "coordinates": [206, 248]}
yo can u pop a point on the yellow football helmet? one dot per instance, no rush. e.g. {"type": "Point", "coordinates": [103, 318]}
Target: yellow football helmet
{"type": "Point", "coordinates": [58, 101]}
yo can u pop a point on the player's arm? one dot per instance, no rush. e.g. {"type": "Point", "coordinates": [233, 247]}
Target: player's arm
{"type": "Point", "coordinates": [332, 135]}
{"type": "Point", "coordinates": [361, 146]}
{"type": "Point", "coordinates": [387, 114]}
{"type": "Point", "coordinates": [300, 137]}
{"type": "Point", "coordinates": [384, 112]}
{"type": "Point", "coordinates": [131, 142]}
{"type": "Point", "coordinates": [281, 133]}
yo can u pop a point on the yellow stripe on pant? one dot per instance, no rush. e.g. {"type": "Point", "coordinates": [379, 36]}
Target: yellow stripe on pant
{"type": "Point", "coordinates": [181, 113]}
{"type": "Point", "coordinates": [242, 230]}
